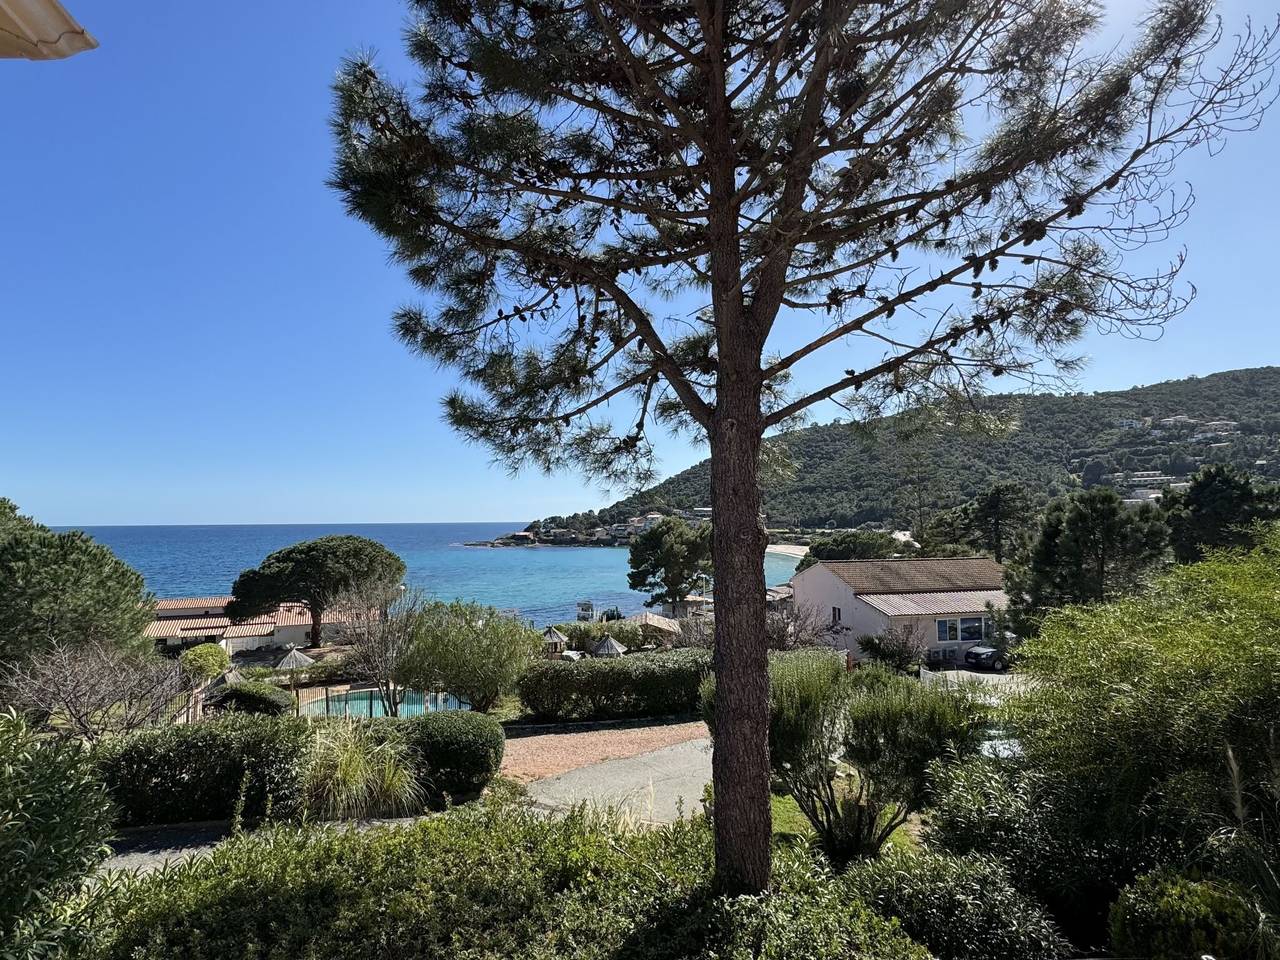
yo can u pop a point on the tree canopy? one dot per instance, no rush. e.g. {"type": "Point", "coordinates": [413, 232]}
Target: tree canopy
{"type": "Point", "coordinates": [1089, 547]}
{"type": "Point", "coordinates": [1218, 510]}
{"type": "Point", "coordinates": [670, 561]}
{"type": "Point", "coordinates": [314, 573]}
{"type": "Point", "coordinates": [952, 184]}
{"type": "Point", "coordinates": [851, 545]}
{"type": "Point", "coordinates": [63, 588]}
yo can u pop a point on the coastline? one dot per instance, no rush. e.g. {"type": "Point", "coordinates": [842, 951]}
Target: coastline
{"type": "Point", "coordinates": [787, 549]}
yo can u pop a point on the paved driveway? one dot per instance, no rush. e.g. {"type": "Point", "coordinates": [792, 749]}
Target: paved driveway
{"type": "Point", "coordinates": [656, 787]}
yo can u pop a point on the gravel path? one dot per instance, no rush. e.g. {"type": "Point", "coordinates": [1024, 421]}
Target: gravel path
{"type": "Point", "coordinates": [547, 755]}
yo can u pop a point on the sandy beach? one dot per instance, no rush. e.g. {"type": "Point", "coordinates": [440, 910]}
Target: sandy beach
{"type": "Point", "coordinates": [787, 549]}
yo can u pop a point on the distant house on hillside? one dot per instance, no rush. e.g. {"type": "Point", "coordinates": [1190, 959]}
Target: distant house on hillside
{"type": "Point", "coordinates": [186, 621]}
{"type": "Point", "coordinates": [947, 601]}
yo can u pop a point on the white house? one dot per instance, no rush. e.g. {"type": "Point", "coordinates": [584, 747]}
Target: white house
{"type": "Point", "coordinates": [947, 601]}
{"type": "Point", "coordinates": [185, 621]}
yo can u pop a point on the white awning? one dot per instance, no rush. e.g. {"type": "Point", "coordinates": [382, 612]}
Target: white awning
{"type": "Point", "coordinates": [40, 30]}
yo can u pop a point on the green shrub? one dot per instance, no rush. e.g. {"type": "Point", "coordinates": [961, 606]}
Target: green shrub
{"type": "Point", "coordinates": [1163, 916]}
{"type": "Point", "coordinates": [267, 767]}
{"type": "Point", "coordinates": [961, 908]}
{"type": "Point", "coordinates": [54, 819]}
{"type": "Point", "coordinates": [351, 773]}
{"type": "Point", "coordinates": [640, 685]}
{"type": "Point", "coordinates": [208, 770]}
{"type": "Point", "coordinates": [482, 882]}
{"type": "Point", "coordinates": [205, 661]}
{"type": "Point", "coordinates": [454, 753]}
{"type": "Point", "coordinates": [253, 696]}
{"type": "Point", "coordinates": [1042, 832]}
{"type": "Point", "coordinates": [855, 750]}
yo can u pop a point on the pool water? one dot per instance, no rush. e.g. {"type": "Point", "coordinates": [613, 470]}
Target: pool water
{"type": "Point", "coordinates": [367, 703]}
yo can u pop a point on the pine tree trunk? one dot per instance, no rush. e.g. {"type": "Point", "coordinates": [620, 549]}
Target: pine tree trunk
{"type": "Point", "coordinates": [740, 760]}
{"type": "Point", "coordinates": [317, 618]}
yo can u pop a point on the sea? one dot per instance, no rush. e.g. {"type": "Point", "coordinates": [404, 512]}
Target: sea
{"type": "Point", "coordinates": [542, 583]}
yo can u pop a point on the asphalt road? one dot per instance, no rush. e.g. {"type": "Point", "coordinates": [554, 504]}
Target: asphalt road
{"type": "Point", "coordinates": [655, 787]}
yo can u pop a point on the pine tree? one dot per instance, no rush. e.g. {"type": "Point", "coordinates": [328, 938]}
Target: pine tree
{"type": "Point", "coordinates": [954, 183]}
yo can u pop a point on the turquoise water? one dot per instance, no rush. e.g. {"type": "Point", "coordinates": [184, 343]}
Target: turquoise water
{"type": "Point", "coordinates": [542, 583]}
{"type": "Point", "coordinates": [367, 703]}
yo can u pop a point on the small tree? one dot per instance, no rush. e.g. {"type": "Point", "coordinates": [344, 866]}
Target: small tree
{"type": "Point", "coordinates": [204, 661]}
{"type": "Point", "coordinates": [670, 561]}
{"type": "Point", "coordinates": [381, 628]}
{"type": "Point", "coordinates": [994, 521]}
{"type": "Point", "coordinates": [898, 648]}
{"type": "Point", "coordinates": [92, 690]}
{"type": "Point", "coordinates": [64, 588]}
{"type": "Point", "coordinates": [313, 573]}
{"type": "Point", "coordinates": [796, 626]}
{"type": "Point", "coordinates": [1089, 548]}
{"type": "Point", "coordinates": [473, 651]}
{"type": "Point", "coordinates": [53, 830]}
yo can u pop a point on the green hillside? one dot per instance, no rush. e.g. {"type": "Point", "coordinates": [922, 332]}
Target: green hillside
{"type": "Point", "coordinates": [848, 474]}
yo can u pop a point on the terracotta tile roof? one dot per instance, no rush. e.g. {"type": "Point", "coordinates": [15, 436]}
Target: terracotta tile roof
{"type": "Point", "coordinates": [918, 575]}
{"type": "Point", "coordinates": [259, 628]}
{"type": "Point", "coordinates": [935, 603]}
{"type": "Point", "coordinates": [193, 603]}
{"type": "Point", "coordinates": [177, 626]}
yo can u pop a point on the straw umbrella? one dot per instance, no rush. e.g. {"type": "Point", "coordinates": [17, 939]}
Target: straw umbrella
{"type": "Point", "coordinates": [40, 30]}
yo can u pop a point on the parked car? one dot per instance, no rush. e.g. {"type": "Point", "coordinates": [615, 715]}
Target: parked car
{"type": "Point", "coordinates": [987, 658]}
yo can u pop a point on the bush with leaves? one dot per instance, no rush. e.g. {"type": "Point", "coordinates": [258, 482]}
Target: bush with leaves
{"type": "Point", "coordinates": [502, 881]}
{"type": "Point", "coordinates": [1147, 733]}
{"type": "Point", "coordinates": [474, 652]}
{"type": "Point", "coordinates": [205, 661]}
{"type": "Point", "coordinates": [961, 908]}
{"type": "Point", "coordinates": [55, 817]}
{"type": "Point", "coordinates": [208, 770]}
{"type": "Point", "coordinates": [898, 648]}
{"type": "Point", "coordinates": [1043, 832]}
{"type": "Point", "coordinates": [453, 754]}
{"type": "Point", "coordinates": [252, 696]}
{"type": "Point", "coordinates": [1164, 916]}
{"type": "Point", "coordinates": [585, 635]}
{"type": "Point", "coordinates": [639, 685]}
{"type": "Point", "coordinates": [854, 750]}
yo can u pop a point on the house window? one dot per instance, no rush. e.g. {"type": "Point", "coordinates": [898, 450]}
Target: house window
{"type": "Point", "coordinates": [965, 630]}
{"type": "Point", "coordinates": [835, 614]}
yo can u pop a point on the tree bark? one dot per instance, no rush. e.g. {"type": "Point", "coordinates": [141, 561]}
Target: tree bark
{"type": "Point", "coordinates": [317, 620]}
{"type": "Point", "coordinates": [740, 759]}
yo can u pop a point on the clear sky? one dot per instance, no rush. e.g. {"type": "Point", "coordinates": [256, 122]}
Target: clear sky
{"type": "Point", "coordinates": [192, 331]}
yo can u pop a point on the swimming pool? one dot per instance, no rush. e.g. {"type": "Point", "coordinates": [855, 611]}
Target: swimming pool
{"type": "Point", "coordinates": [367, 703]}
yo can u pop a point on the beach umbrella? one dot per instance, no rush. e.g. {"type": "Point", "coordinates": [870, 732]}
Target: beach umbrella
{"type": "Point", "coordinates": [40, 30]}
{"type": "Point", "coordinates": [656, 623]}
{"type": "Point", "coordinates": [609, 647]}
{"type": "Point", "coordinates": [293, 660]}
{"type": "Point", "coordinates": [552, 635]}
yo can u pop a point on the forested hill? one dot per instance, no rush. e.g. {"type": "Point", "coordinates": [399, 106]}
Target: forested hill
{"type": "Point", "coordinates": [849, 474]}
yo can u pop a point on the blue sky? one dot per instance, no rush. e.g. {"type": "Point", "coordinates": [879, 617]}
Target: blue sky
{"type": "Point", "coordinates": [193, 331]}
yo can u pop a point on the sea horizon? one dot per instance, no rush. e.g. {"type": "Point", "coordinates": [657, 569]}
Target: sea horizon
{"type": "Point", "coordinates": [543, 583]}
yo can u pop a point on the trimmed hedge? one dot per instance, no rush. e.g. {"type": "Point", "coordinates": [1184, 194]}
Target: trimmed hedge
{"type": "Point", "coordinates": [961, 908]}
{"type": "Point", "coordinates": [1164, 916]}
{"type": "Point", "coordinates": [640, 685]}
{"type": "Point", "coordinates": [455, 753]}
{"type": "Point", "coordinates": [484, 882]}
{"type": "Point", "coordinates": [199, 771]}
{"type": "Point", "coordinates": [253, 696]}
